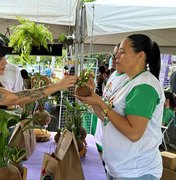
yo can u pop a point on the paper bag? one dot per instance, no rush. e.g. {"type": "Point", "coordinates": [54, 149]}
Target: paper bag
{"type": "Point", "coordinates": [23, 139]}
{"type": "Point", "coordinates": [65, 163]}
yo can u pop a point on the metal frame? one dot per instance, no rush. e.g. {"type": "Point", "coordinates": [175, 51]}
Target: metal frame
{"type": "Point", "coordinates": [165, 139]}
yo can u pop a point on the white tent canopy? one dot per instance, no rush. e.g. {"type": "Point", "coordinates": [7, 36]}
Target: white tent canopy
{"type": "Point", "coordinates": [110, 21]}
{"type": "Point", "coordinates": [58, 14]}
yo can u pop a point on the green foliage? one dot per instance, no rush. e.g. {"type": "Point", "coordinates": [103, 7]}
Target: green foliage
{"type": "Point", "coordinates": [62, 38]}
{"type": "Point", "coordinates": [16, 154]}
{"type": "Point", "coordinates": [15, 59]}
{"type": "Point", "coordinates": [88, 0]}
{"type": "Point", "coordinates": [65, 40]}
{"type": "Point", "coordinates": [84, 76]}
{"type": "Point", "coordinates": [39, 83]}
{"type": "Point", "coordinates": [5, 38]}
{"type": "Point", "coordinates": [29, 34]}
{"type": "Point", "coordinates": [8, 119]}
{"type": "Point", "coordinates": [73, 115]}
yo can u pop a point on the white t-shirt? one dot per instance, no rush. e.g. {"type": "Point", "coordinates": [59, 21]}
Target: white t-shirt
{"type": "Point", "coordinates": [11, 79]}
{"type": "Point", "coordinates": [114, 82]}
{"type": "Point", "coordinates": [142, 96]}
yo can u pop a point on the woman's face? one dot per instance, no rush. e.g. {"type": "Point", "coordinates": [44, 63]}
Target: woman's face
{"type": "Point", "coordinates": [3, 63]}
{"type": "Point", "coordinates": [126, 59]}
{"type": "Point", "coordinates": [113, 57]}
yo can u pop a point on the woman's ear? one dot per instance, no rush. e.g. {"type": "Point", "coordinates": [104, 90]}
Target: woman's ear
{"type": "Point", "coordinates": [141, 55]}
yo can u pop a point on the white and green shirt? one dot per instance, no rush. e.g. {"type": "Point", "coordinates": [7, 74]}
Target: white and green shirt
{"type": "Point", "coordinates": [114, 82]}
{"type": "Point", "coordinates": [142, 96]}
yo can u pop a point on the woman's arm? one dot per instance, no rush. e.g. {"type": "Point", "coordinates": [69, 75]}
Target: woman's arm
{"type": "Point", "coordinates": [131, 126]}
{"type": "Point", "coordinates": [27, 96]}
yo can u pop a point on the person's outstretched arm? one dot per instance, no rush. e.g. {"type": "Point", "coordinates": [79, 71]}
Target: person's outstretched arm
{"type": "Point", "coordinates": [27, 96]}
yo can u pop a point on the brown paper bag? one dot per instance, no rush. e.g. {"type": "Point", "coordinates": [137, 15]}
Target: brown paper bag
{"type": "Point", "coordinates": [23, 139]}
{"type": "Point", "coordinates": [65, 164]}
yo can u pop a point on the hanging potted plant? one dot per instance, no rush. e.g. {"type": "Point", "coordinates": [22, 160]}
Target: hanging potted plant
{"type": "Point", "coordinates": [29, 35]}
{"type": "Point", "coordinates": [65, 40]}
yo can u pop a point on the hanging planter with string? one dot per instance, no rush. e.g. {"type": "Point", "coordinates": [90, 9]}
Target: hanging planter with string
{"type": "Point", "coordinates": [65, 40]}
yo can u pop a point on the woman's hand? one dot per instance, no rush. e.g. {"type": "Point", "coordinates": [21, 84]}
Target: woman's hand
{"type": "Point", "coordinates": [92, 100]}
{"type": "Point", "coordinates": [91, 84]}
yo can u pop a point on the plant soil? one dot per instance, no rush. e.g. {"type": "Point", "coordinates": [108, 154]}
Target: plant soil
{"type": "Point", "coordinates": [83, 91]}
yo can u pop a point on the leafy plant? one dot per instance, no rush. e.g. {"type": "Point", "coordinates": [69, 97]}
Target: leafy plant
{"type": "Point", "coordinates": [65, 40]}
{"type": "Point", "coordinates": [8, 119]}
{"type": "Point", "coordinates": [16, 154]}
{"type": "Point", "coordinates": [73, 115]}
{"type": "Point", "coordinates": [84, 77]}
{"type": "Point", "coordinates": [82, 89]}
{"type": "Point", "coordinates": [29, 34]}
{"type": "Point", "coordinates": [38, 83]}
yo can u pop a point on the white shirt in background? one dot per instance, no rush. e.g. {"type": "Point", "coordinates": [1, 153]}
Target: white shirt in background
{"type": "Point", "coordinates": [11, 79]}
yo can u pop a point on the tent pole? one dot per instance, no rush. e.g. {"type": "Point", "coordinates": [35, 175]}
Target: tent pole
{"type": "Point", "coordinates": [77, 37]}
{"type": "Point", "coordinates": [82, 34]}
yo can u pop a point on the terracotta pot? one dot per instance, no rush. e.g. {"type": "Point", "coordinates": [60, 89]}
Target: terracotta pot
{"type": "Point", "coordinates": [10, 172]}
{"type": "Point", "coordinates": [19, 166]}
{"type": "Point", "coordinates": [82, 91]}
{"type": "Point", "coordinates": [81, 148]}
{"type": "Point", "coordinates": [83, 133]}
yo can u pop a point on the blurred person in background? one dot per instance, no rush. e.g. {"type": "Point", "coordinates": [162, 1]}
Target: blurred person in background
{"type": "Point", "coordinates": [10, 76]}
{"type": "Point", "coordinates": [101, 80]}
{"type": "Point", "coordinates": [26, 79]}
{"type": "Point", "coordinates": [169, 108]}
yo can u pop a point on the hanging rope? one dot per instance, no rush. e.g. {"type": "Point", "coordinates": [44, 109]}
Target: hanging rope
{"type": "Point", "coordinates": [37, 10]}
{"type": "Point", "coordinates": [7, 32]}
{"type": "Point", "coordinates": [91, 42]}
{"type": "Point", "coordinates": [69, 31]}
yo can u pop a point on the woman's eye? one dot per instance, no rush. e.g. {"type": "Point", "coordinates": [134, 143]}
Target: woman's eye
{"type": "Point", "coordinates": [121, 51]}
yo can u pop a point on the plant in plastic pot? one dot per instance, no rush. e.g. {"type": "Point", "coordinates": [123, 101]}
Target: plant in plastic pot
{"type": "Point", "coordinates": [81, 87]}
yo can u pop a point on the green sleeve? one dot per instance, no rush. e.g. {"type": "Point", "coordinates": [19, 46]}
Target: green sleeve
{"type": "Point", "coordinates": [142, 101]}
{"type": "Point", "coordinates": [167, 115]}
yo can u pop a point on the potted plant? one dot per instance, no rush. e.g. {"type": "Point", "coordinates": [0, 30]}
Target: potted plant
{"type": "Point", "coordinates": [81, 88]}
{"type": "Point", "coordinates": [27, 35]}
{"type": "Point", "coordinates": [16, 155]}
{"type": "Point", "coordinates": [7, 170]}
{"type": "Point", "coordinates": [41, 117]}
{"type": "Point", "coordinates": [73, 117]}
{"type": "Point", "coordinates": [65, 40]}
